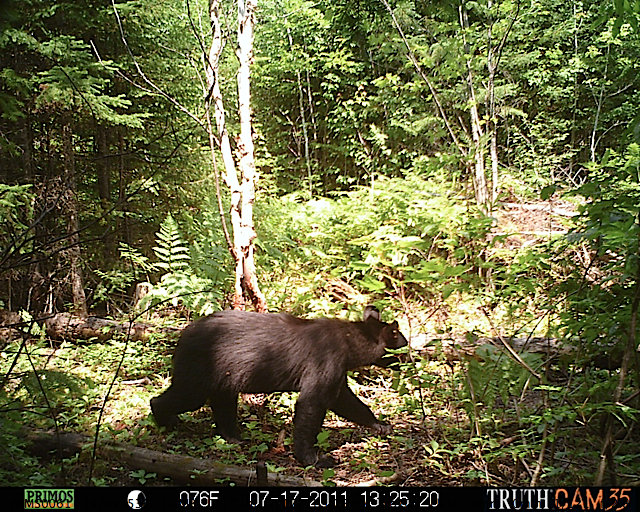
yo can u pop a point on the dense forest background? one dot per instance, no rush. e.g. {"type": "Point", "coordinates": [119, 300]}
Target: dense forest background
{"type": "Point", "coordinates": [473, 167]}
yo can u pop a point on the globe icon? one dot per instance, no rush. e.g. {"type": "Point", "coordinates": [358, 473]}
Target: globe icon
{"type": "Point", "coordinates": [136, 500]}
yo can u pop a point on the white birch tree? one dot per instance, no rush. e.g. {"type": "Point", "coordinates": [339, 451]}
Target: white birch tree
{"type": "Point", "coordinates": [243, 189]}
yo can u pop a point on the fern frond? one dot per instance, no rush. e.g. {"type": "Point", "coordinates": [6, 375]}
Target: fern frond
{"type": "Point", "coordinates": [171, 250]}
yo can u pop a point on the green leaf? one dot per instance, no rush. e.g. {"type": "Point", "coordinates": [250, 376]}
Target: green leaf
{"type": "Point", "coordinates": [328, 473]}
{"type": "Point", "coordinates": [547, 192]}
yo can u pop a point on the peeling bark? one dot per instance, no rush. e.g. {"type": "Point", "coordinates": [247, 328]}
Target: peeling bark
{"type": "Point", "coordinates": [247, 165]}
{"type": "Point", "coordinates": [242, 191]}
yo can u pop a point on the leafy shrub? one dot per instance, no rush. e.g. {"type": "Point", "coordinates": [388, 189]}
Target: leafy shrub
{"type": "Point", "coordinates": [600, 294]}
{"type": "Point", "coordinates": [412, 231]}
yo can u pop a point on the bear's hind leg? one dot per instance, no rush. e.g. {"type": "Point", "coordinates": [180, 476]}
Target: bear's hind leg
{"type": "Point", "coordinates": [174, 401]}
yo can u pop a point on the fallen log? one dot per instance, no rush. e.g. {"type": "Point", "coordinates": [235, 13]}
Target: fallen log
{"type": "Point", "coordinates": [180, 468]}
{"type": "Point", "coordinates": [458, 347]}
{"type": "Point", "coordinates": [455, 347]}
{"type": "Point", "coordinates": [564, 212]}
{"type": "Point", "coordinates": [68, 326]}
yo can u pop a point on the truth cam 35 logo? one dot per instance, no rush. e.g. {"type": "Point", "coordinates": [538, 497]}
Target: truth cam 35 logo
{"type": "Point", "coordinates": [613, 499]}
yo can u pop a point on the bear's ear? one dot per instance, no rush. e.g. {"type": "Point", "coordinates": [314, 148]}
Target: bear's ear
{"type": "Point", "coordinates": [371, 312]}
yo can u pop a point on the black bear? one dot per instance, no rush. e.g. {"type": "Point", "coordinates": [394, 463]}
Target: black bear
{"type": "Point", "coordinates": [233, 352]}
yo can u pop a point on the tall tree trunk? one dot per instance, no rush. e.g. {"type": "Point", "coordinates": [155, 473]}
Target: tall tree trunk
{"type": "Point", "coordinates": [214, 95]}
{"type": "Point", "coordinates": [303, 118]}
{"type": "Point", "coordinates": [494, 163]}
{"type": "Point", "coordinates": [122, 188]}
{"type": "Point", "coordinates": [103, 169]}
{"type": "Point", "coordinates": [494, 53]}
{"type": "Point", "coordinates": [242, 194]}
{"type": "Point", "coordinates": [594, 132]}
{"type": "Point", "coordinates": [479, 178]}
{"type": "Point", "coordinates": [103, 182]}
{"type": "Point", "coordinates": [312, 114]}
{"type": "Point", "coordinates": [27, 146]}
{"type": "Point", "coordinates": [492, 125]}
{"type": "Point", "coordinates": [73, 252]}
{"type": "Point", "coordinates": [246, 21]}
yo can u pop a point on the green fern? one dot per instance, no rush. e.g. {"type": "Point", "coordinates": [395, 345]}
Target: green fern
{"type": "Point", "coordinates": [179, 284]}
{"type": "Point", "coordinates": [171, 249]}
{"type": "Point", "coordinates": [495, 375]}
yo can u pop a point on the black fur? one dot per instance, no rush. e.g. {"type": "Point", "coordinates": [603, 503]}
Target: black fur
{"type": "Point", "coordinates": [233, 352]}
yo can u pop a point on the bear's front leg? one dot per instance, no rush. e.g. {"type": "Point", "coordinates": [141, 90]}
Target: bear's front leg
{"type": "Point", "coordinates": [350, 407]}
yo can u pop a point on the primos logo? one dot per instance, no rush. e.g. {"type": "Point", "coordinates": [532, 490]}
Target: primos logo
{"type": "Point", "coordinates": [48, 498]}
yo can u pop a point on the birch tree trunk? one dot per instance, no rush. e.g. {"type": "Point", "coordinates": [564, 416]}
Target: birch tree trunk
{"type": "Point", "coordinates": [242, 193]}
{"type": "Point", "coordinates": [247, 164]}
{"type": "Point", "coordinates": [479, 178]}
{"type": "Point", "coordinates": [213, 96]}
